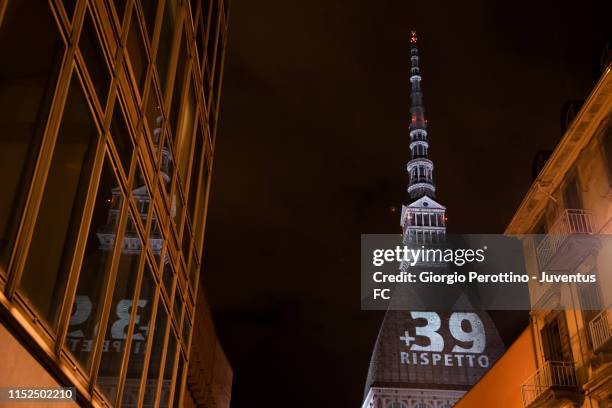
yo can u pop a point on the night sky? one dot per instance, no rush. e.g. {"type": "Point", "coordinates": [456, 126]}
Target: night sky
{"type": "Point", "coordinates": [312, 149]}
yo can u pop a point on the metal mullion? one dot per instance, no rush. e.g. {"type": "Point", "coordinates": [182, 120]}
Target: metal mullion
{"type": "Point", "coordinates": [201, 31]}
{"type": "Point", "coordinates": [175, 189]}
{"type": "Point", "coordinates": [133, 171]}
{"type": "Point", "coordinates": [196, 14]}
{"type": "Point", "coordinates": [205, 209]}
{"type": "Point", "coordinates": [59, 9]}
{"type": "Point", "coordinates": [128, 69]}
{"type": "Point", "coordinates": [147, 359]}
{"type": "Point", "coordinates": [125, 175]}
{"type": "Point", "coordinates": [79, 248]}
{"type": "Point", "coordinates": [172, 286]}
{"type": "Point", "coordinates": [183, 95]}
{"type": "Point", "coordinates": [38, 180]}
{"type": "Point", "coordinates": [177, 352]}
{"type": "Point", "coordinates": [218, 90]}
{"type": "Point", "coordinates": [187, 341]}
{"type": "Point", "coordinates": [198, 186]}
{"type": "Point", "coordinates": [207, 24]}
{"type": "Point", "coordinates": [167, 94]}
{"type": "Point", "coordinates": [156, 29]}
{"type": "Point", "coordinates": [184, 139]}
{"type": "Point", "coordinates": [128, 340]}
{"type": "Point", "coordinates": [175, 372]}
{"type": "Point", "coordinates": [107, 56]}
{"type": "Point", "coordinates": [108, 24]}
{"type": "Point", "coordinates": [162, 360]}
{"type": "Point", "coordinates": [108, 296]}
{"type": "Point", "coordinates": [216, 41]}
{"type": "Point", "coordinates": [153, 156]}
{"type": "Point", "coordinates": [193, 259]}
{"type": "Point", "coordinates": [140, 164]}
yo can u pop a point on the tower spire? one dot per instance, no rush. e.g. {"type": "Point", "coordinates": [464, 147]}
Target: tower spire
{"type": "Point", "coordinates": [420, 168]}
{"type": "Point", "coordinates": [423, 218]}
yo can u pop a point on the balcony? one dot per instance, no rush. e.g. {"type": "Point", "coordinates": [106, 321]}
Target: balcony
{"type": "Point", "coordinates": [552, 385]}
{"type": "Point", "coordinates": [601, 331]}
{"type": "Point", "coordinates": [567, 241]}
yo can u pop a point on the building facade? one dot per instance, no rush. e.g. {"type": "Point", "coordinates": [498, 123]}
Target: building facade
{"type": "Point", "coordinates": [496, 388]}
{"type": "Point", "coordinates": [108, 113]}
{"type": "Point", "coordinates": [569, 206]}
{"type": "Point", "coordinates": [566, 224]}
{"type": "Point", "coordinates": [417, 361]}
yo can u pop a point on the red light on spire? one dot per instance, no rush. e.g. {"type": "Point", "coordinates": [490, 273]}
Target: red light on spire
{"type": "Point", "coordinates": [413, 37]}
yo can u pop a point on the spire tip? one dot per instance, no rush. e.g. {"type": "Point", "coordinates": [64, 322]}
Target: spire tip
{"type": "Point", "coordinates": [413, 36]}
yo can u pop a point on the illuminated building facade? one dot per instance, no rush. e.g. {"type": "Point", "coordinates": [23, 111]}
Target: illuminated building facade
{"type": "Point", "coordinates": [566, 218]}
{"type": "Point", "coordinates": [108, 113]}
{"type": "Point", "coordinates": [420, 358]}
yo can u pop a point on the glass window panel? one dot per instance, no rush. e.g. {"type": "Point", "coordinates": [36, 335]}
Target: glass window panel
{"type": "Point", "coordinates": [178, 382]}
{"type": "Point", "coordinates": [121, 137]}
{"type": "Point", "coordinates": [149, 10]}
{"type": "Point", "coordinates": [217, 72]}
{"type": "Point", "coordinates": [167, 165]}
{"type": "Point", "coordinates": [92, 52]}
{"type": "Point", "coordinates": [87, 306]}
{"type": "Point", "coordinates": [186, 329]}
{"type": "Point", "coordinates": [176, 307]}
{"type": "Point", "coordinates": [193, 268]}
{"type": "Point", "coordinates": [46, 270]}
{"type": "Point", "coordinates": [156, 239]}
{"type": "Point", "coordinates": [157, 349]}
{"type": "Point", "coordinates": [179, 81]}
{"type": "Point", "coordinates": [140, 195]}
{"type": "Point", "coordinates": [206, 84]}
{"type": "Point", "coordinates": [139, 340]}
{"type": "Point", "coordinates": [168, 277]}
{"type": "Point", "coordinates": [154, 116]}
{"type": "Point", "coordinates": [194, 181]}
{"type": "Point", "coordinates": [177, 209]}
{"type": "Point", "coordinates": [186, 242]}
{"type": "Point", "coordinates": [198, 221]}
{"type": "Point", "coordinates": [193, 4]}
{"type": "Point", "coordinates": [119, 316]}
{"type": "Point", "coordinates": [199, 38]}
{"type": "Point", "coordinates": [212, 32]}
{"type": "Point", "coordinates": [28, 75]}
{"type": "Point", "coordinates": [185, 139]}
{"type": "Point", "coordinates": [120, 8]}
{"type": "Point", "coordinates": [69, 7]}
{"type": "Point", "coordinates": [205, 16]}
{"type": "Point", "coordinates": [137, 52]}
{"type": "Point", "coordinates": [212, 116]}
{"type": "Point", "coordinates": [166, 37]}
{"type": "Point", "coordinates": [168, 369]}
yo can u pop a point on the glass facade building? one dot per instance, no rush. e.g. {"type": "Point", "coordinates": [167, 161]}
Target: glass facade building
{"type": "Point", "coordinates": [108, 113]}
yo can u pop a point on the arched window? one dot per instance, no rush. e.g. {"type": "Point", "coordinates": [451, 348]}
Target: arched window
{"type": "Point", "coordinates": [396, 405]}
{"type": "Point", "coordinates": [421, 405]}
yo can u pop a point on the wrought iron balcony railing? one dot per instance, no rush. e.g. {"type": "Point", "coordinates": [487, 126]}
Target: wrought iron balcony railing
{"type": "Point", "coordinates": [570, 222]}
{"type": "Point", "coordinates": [601, 330]}
{"type": "Point", "coordinates": [552, 375]}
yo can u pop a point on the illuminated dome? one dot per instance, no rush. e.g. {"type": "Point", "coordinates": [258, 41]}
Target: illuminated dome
{"type": "Point", "coordinates": [433, 350]}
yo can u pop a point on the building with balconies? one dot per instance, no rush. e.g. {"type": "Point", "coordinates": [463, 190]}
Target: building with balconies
{"type": "Point", "coordinates": [565, 221]}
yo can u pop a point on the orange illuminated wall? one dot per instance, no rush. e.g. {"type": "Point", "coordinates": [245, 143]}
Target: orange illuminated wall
{"type": "Point", "coordinates": [501, 386]}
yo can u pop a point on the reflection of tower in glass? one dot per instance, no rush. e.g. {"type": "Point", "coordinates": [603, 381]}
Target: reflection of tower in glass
{"type": "Point", "coordinates": [131, 248]}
